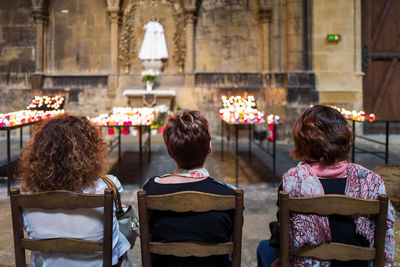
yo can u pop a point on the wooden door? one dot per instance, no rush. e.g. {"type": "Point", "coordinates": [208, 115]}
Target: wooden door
{"type": "Point", "coordinates": [380, 55]}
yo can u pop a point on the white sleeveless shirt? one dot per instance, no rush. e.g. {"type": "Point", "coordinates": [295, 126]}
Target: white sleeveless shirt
{"type": "Point", "coordinates": [79, 223]}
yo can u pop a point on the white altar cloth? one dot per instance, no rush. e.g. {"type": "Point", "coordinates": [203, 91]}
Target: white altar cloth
{"type": "Point", "coordinates": [138, 92]}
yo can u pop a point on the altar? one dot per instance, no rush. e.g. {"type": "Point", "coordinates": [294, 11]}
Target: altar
{"type": "Point", "coordinates": [140, 97]}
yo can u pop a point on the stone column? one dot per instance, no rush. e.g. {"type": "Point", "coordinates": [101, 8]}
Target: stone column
{"type": "Point", "coordinates": [189, 58]}
{"type": "Point", "coordinates": [265, 49]}
{"type": "Point", "coordinates": [276, 36]}
{"type": "Point", "coordinates": [114, 19]}
{"type": "Point", "coordinates": [114, 15]}
{"type": "Point", "coordinates": [294, 35]}
{"type": "Point", "coordinates": [40, 17]}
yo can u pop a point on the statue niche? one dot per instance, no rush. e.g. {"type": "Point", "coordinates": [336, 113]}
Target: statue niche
{"type": "Point", "coordinates": [138, 13]}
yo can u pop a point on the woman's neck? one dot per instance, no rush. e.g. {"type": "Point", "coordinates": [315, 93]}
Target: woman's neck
{"type": "Point", "coordinates": [185, 176]}
{"type": "Point", "coordinates": [335, 170]}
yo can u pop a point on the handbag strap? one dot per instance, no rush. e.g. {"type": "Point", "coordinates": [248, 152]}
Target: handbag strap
{"type": "Point", "coordinates": [116, 195]}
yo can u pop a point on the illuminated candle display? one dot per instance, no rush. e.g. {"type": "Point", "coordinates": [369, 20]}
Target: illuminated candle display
{"type": "Point", "coordinates": [26, 116]}
{"type": "Point", "coordinates": [239, 109]}
{"type": "Point", "coordinates": [46, 103]}
{"type": "Point", "coordinates": [126, 116]}
{"type": "Point", "coordinates": [355, 115]}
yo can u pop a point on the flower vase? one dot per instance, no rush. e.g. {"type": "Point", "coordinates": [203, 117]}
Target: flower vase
{"type": "Point", "coordinates": [149, 86]}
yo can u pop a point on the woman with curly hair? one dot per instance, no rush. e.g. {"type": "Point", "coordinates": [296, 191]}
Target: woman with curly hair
{"type": "Point", "coordinates": [322, 142]}
{"type": "Point", "coordinates": [68, 153]}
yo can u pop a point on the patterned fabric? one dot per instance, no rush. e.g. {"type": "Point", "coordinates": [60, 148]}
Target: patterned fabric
{"type": "Point", "coordinates": [301, 181]}
{"type": "Point", "coordinates": [199, 173]}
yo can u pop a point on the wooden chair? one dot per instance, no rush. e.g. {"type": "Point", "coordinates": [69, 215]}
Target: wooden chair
{"type": "Point", "coordinates": [197, 202]}
{"type": "Point", "coordinates": [328, 205]}
{"type": "Point", "coordinates": [67, 200]}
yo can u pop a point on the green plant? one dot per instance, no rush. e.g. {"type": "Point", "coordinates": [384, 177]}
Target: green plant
{"type": "Point", "coordinates": [149, 76]}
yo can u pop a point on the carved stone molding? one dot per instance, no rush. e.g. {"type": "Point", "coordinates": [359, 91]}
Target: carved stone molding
{"type": "Point", "coordinates": [265, 15]}
{"type": "Point", "coordinates": [40, 10]}
{"type": "Point", "coordinates": [113, 9]}
{"type": "Point", "coordinates": [189, 17]}
{"type": "Point", "coordinates": [179, 36]}
{"type": "Point", "coordinates": [127, 37]}
{"type": "Point", "coordinates": [40, 15]}
{"type": "Point", "coordinates": [113, 4]}
{"type": "Point", "coordinates": [113, 15]}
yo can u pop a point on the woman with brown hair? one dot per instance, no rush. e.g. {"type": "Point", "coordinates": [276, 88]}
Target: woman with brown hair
{"type": "Point", "coordinates": [188, 142]}
{"type": "Point", "coordinates": [322, 143]}
{"type": "Point", "coordinates": [67, 153]}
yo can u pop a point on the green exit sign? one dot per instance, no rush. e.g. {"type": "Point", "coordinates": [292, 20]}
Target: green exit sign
{"type": "Point", "coordinates": [333, 37]}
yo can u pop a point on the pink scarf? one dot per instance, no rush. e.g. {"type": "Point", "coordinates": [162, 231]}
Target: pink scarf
{"type": "Point", "coordinates": [336, 170]}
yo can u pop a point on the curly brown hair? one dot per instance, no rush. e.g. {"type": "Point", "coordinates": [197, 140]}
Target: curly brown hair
{"type": "Point", "coordinates": [64, 153]}
{"type": "Point", "coordinates": [321, 135]}
{"type": "Point", "coordinates": [187, 138]}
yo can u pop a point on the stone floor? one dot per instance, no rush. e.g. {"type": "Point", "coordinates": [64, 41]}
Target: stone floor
{"type": "Point", "coordinates": [255, 178]}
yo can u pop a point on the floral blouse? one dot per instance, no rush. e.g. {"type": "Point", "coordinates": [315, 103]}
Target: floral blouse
{"type": "Point", "coordinates": [301, 181]}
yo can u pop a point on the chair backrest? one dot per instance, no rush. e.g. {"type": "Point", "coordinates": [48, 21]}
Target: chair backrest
{"type": "Point", "coordinates": [197, 202]}
{"type": "Point", "coordinates": [67, 200]}
{"type": "Point", "coordinates": [328, 205]}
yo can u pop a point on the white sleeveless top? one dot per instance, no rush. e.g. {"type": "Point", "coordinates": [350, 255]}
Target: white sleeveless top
{"type": "Point", "coordinates": [79, 223]}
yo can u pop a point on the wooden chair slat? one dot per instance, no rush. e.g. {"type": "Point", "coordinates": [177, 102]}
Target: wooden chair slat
{"type": "Point", "coordinates": [62, 245]}
{"type": "Point", "coordinates": [338, 251]}
{"type": "Point", "coordinates": [190, 201]}
{"type": "Point", "coordinates": [187, 249]}
{"type": "Point", "coordinates": [334, 204]}
{"type": "Point", "coordinates": [327, 205]}
{"type": "Point", "coordinates": [61, 200]}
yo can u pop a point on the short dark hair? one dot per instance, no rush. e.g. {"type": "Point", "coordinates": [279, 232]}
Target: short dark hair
{"type": "Point", "coordinates": [321, 135]}
{"type": "Point", "coordinates": [187, 138]}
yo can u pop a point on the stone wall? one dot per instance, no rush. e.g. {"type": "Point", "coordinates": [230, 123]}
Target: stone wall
{"type": "Point", "coordinates": [337, 66]}
{"type": "Point", "coordinates": [284, 94]}
{"type": "Point", "coordinates": [227, 36]}
{"type": "Point", "coordinates": [17, 42]}
{"type": "Point", "coordinates": [78, 38]}
{"type": "Point", "coordinates": [240, 47]}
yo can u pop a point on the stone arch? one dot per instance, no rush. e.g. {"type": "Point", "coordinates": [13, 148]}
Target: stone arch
{"type": "Point", "coordinates": [129, 32]}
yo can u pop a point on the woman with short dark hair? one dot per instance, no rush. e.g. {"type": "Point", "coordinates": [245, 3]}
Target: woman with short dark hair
{"type": "Point", "coordinates": [188, 139]}
{"type": "Point", "coordinates": [188, 142]}
{"type": "Point", "coordinates": [68, 153]}
{"type": "Point", "coordinates": [322, 144]}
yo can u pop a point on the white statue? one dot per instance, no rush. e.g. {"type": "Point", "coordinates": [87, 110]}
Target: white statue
{"type": "Point", "coordinates": [153, 50]}
{"type": "Point", "coordinates": [154, 46]}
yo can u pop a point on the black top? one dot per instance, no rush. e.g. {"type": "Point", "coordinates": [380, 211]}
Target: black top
{"type": "Point", "coordinates": [212, 227]}
{"type": "Point", "coordinates": [343, 228]}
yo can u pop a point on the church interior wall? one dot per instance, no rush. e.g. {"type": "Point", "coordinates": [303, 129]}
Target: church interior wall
{"type": "Point", "coordinates": [78, 38]}
{"type": "Point", "coordinates": [227, 36]}
{"type": "Point", "coordinates": [240, 46]}
{"type": "Point", "coordinates": [17, 42]}
{"type": "Point", "coordinates": [338, 65]}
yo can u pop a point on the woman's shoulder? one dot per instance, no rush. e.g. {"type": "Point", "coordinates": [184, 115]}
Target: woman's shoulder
{"type": "Point", "coordinates": [208, 185]}
{"type": "Point", "coordinates": [302, 169]}
{"type": "Point", "coordinates": [362, 172]}
{"type": "Point", "coordinates": [100, 185]}
{"type": "Point", "coordinates": [222, 185]}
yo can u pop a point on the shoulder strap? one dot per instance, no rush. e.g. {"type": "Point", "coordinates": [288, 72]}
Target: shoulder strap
{"type": "Point", "coordinates": [116, 196]}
